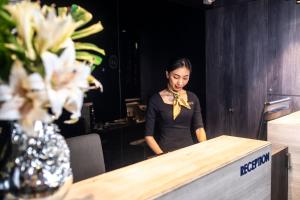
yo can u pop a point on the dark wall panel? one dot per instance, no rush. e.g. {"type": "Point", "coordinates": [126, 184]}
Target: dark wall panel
{"type": "Point", "coordinates": [283, 50]}
{"type": "Point", "coordinates": [236, 84]}
{"type": "Point", "coordinates": [219, 41]}
{"type": "Point", "coordinates": [250, 82]}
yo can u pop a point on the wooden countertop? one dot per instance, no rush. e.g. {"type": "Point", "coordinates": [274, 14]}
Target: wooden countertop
{"type": "Point", "coordinates": [277, 148]}
{"type": "Point", "coordinates": [154, 177]}
{"type": "Point", "coordinates": [285, 131]}
{"type": "Point", "coordinates": [293, 118]}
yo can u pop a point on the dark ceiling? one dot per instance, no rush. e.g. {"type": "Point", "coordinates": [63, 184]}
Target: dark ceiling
{"type": "Point", "coordinates": [216, 3]}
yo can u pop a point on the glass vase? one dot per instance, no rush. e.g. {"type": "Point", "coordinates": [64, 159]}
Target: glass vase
{"type": "Point", "coordinates": [35, 167]}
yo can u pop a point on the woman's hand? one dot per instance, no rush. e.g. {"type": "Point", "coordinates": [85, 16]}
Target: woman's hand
{"type": "Point", "coordinates": [201, 135]}
{"type": "Point", "coordinates": [153, 145]}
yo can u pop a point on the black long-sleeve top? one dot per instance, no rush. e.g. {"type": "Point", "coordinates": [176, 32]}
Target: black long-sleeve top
{"type": "Point", "coordinates": [172, 134]}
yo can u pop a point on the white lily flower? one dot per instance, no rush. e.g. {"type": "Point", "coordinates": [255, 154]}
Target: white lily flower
{"type": "Point", "coordinates": [34, 82]}
{"type": "Point", "coordinates": [17, 76]}
{"type": "Point", "coordinates": [66, 80]}
{"type": "Point", "coordinates": [52, 30]}
{"type": "Point", "coordinates": [57, 99]}
{"type": "Point", "coordinates": [12, 95]}
{"type": "Point", "coordinates": [9, 110]}
{"type": "Point", "coordinates": [24, 14]}
{"type": "Point", "coordinates": [5, 93]}
{"type": "Point", "coordinates": [35, 112]}
{"type": "Point", "coordinates": [24, 99]}
{"type": "Point", "coordinates": [74, 104]}
{"type": "Point", "coordinates": [35, 108]}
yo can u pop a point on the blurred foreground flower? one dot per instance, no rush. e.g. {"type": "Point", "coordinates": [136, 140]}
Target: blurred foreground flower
{"type": "Point", "coordinates": [43, 68]}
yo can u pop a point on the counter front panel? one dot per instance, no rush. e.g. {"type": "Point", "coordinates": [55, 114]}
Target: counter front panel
{"type": "Point", "coordinates": [225, 167]}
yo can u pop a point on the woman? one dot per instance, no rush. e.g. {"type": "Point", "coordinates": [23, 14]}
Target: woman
{"type": "Point", "coordinates": [175, 111]}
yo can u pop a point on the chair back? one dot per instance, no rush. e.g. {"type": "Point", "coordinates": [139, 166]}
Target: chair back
{"type": "Point", "coordinates": [86, 156]}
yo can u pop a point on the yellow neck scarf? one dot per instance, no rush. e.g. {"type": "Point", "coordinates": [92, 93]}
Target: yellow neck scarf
{"type": "Point", "coordinates": [178, 101]}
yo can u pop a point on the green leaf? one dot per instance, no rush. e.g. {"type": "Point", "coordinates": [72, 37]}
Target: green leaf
{"type": "Point", "coordinates": [3, 2]}
{"type": "Point", "coordinates": [80, 15]}
{"type": "Point", "coordinates": [6, 19]}
{"type": "Point", "coordinates": [95, 28]}
{"type": "Point", "coordinates": [88, 46]}
{"type": "Point", "coordinates": [14, 47]}
{"type": "Point", "coordinates": [90, 58]}
{"type": "Point", "coordinates": [5, 66]}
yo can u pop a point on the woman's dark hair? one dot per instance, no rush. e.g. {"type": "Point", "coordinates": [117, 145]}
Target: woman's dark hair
{"type": "Point", "coordinates": [178, 63]}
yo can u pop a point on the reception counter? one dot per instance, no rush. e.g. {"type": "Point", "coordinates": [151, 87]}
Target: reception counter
{"type": "Point", "coordinates": [225, 167]}
{"type": "Point", "coordinates": [286, 131]}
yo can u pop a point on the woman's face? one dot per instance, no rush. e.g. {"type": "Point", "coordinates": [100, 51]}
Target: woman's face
{"type": "Point", "coordinates": [178, 78]}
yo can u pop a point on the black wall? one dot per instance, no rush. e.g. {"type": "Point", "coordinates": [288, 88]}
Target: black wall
{"type": "Point", "coordinates": [169, 30]}
{"type": "Point", "coordinates": [139, 37]}
{"type": "Point", "coordinates": [252, 57]}
{"type": "Point", "coordinates": [106, 104]}
{"type": "Point", "coordinates": [152, 32]}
